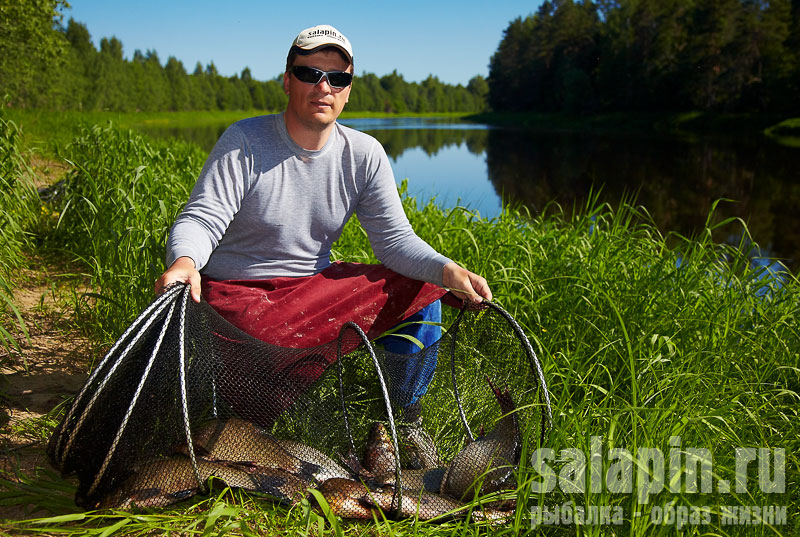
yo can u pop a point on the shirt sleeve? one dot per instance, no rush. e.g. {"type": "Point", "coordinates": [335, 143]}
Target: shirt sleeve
{"type": "Point", "coordinates": [380, 212]}
{"type": "Point", "coordinates": [215, 199]}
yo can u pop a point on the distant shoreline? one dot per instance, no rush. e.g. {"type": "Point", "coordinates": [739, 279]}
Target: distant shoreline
{"type": "Point", "coordinates": [780, 129]}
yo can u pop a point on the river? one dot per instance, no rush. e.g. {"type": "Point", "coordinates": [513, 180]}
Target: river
{"type": "Point", "coordinates": [675, 179]}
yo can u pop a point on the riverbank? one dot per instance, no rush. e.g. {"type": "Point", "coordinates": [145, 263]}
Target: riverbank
{"type": "Point", "coordinates": [645, 343]}
{"type": "Point", "coordinates": [50, 129]}
{"type": "Point", "coordinates": [672, 175]}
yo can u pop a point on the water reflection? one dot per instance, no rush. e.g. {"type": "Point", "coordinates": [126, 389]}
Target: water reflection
{"type": "Point", "coordinates": [405, 123]}
{"type": "Point", "coordinates": [455, 176]}
{"type": "Point", "coordinates": [431, 141]}
{"type": "Point", "coordinates": [677, 181]}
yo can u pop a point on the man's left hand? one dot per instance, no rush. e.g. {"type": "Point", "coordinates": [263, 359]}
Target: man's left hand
{"type": "Point", "coordinates": [465, 284]}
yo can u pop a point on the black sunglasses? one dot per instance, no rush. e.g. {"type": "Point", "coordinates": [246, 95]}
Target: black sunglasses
{"type": "Point", "coordinates": [309, 75]}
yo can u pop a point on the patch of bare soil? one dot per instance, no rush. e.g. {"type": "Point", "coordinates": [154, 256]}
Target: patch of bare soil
{"type": "Point", "coordinates": [47, 171]}
{"type": "Point", "coordinates": [49, 367]}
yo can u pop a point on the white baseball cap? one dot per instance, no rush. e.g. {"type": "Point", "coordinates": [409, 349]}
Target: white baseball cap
{"type": "Point", "coordinates": [317, 37]}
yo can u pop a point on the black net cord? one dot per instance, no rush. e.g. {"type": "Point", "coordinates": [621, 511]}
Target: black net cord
{"type": "Point", "coordinates": [184, 398]}
{"type": "Point", "coordinates": [118, 436]}
{"type": "Point", "coordinates": [398, 494]}
{"type": "Point", "coordinates": [340, 376]}
{"type": "Point", "coordinates": [453, 339]}
{"type": "Point", "coordinates": [136, 330]}
{"type": "Point", "coordinates": [544, 395]}
{"type": "Point", "coordinates": [534, 360]}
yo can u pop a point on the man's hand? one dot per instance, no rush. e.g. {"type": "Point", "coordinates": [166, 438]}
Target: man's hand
{"type": "Point", "coordinates": [182, 270]}
{"type": "Point", "coordinates": [465, 284]}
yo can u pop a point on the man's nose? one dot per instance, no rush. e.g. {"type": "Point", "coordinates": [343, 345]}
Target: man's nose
{"type": "Point", "coordinates": [323, 84]}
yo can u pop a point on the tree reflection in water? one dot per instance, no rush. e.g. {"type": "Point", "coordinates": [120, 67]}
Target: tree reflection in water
{"type": "Point", "coordinates": [676, 180]}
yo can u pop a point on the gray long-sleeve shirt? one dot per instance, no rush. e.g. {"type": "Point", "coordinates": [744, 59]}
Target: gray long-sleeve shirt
{"type": "Point", "coordinates": [263, 207]}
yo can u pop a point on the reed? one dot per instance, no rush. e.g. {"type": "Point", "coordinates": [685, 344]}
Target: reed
{"type": "Point", "coordinates": [20, 220]}
{"type": "Point", "coordinates": [645, 339]}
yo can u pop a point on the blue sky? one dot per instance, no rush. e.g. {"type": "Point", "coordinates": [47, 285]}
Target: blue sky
{"type": "Point", "coordinates": [450, 39]}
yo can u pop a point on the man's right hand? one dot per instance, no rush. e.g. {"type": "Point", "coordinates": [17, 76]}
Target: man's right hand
{"type": "Point", "coordinates": [183, 271]}
{"type": "Point", "coordinates": [464, 284]}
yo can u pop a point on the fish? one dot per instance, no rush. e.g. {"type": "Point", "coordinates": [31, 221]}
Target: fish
{"type": "Point", "coordinates": [379, 454]}
{"type": "Point", "coordinates": [414, 503]}
{"type": "Point", "coordinates": [286, 487]}
{"type": "Point", "coordinates": [379, 458]}
{"type": "Point", "coordinates": [161, 482]}
{"type": "Point", "coordinates": [426, 505]}
{"type": "Point", "coordinates": [491, 457]}
{"type": "Point", "coordinates": [345, 498]}
{"type": "Point", "coordinates": [349, 498]}
{"type": "Point", "coordinates": [428, 480]}
{"type": "Point", "coordinates": [329, 468]}
{"type": "Point", "coordinates": [243, 442]}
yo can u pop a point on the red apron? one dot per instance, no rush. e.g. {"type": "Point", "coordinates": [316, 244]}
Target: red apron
{"type": "Point", "coordinates": [302, 317]}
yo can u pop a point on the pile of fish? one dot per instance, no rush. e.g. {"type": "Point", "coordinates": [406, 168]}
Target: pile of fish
{"type": "Point", "coordinates": [243, 455]}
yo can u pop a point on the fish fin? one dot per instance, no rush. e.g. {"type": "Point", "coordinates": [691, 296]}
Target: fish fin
{"type": "Point", "coordinates": [432, 479]}
{"type": "Point", "coordinates": [310, 470]}
{"type": "Point", "coordinates": [354, 465]}
{"type": "Point", "coordinates": [503, 398]}
{"type": "Point", "coordinates": [271, 484]}
{"type": "Point", "coordinates": [179, 495]}
{"type": "Point", "coordinates": [144, 494]}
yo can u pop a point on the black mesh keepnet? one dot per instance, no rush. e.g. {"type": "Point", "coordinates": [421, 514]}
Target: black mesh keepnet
{"type": "Point", "coordinates": [185, 400]}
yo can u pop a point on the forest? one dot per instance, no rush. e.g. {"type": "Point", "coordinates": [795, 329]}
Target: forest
{"type": "Point", "coordinates": [45, 63]}
{"type": "Point", "coordinates": [650, 55]}
{"type": "Point", "coordinates": [574, 56]}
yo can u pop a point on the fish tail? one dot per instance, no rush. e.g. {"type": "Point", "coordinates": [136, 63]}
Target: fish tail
{"type": "Point", "coordinates": [503, 398]}
{"type": "Point", "coordinates": [310, 470]}
{"type": "Point", "coordinates": [354, 465]}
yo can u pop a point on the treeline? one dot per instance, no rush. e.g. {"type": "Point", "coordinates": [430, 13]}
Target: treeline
{"type": "Point", "coordinates": [654, 55]}
{"type": "Point", "coordinates": [45, 64]}
{"type": "Point", "coordinates": [431, 141]}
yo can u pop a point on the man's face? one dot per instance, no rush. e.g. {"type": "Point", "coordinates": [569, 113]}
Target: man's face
{"type": "Point", "coordinates": [316, 106]}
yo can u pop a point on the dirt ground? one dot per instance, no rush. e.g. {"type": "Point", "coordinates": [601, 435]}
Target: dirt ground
{"type": "Point", "coordinates": [50, 366]}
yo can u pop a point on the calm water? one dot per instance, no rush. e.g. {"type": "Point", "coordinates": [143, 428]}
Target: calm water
{"type": "Point", "coordinates": [676, 180]}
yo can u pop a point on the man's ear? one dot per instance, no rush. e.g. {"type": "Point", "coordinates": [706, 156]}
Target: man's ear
{"type": "Point", "coordinates": [286, 82]}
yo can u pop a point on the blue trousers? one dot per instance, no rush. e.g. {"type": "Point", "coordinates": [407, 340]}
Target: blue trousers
{"type": "Point", "coordinates": [412, 372]}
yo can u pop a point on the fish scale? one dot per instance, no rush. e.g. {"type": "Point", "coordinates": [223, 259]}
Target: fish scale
{"type": "Point", "coordinates": [491, 457]}
{"type": "Point", "coordinates": [241, 441]}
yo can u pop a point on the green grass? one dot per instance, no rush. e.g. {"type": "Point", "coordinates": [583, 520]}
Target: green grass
{"type": "Point", "coordinates": [786, 132]}
{"type": "Point", "coordinates": [50, 131]}
{"type": "Point", "coordinates": [20, 219]}
{"type": "Point", "coordinates": [643, 337]}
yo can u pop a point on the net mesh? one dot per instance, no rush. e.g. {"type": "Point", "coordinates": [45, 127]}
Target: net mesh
{"type": "Point", "coordinates": [184, 400]}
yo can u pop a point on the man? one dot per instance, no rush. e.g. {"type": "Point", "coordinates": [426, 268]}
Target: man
{"type": "Point", "coordinates": [276, 192]}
